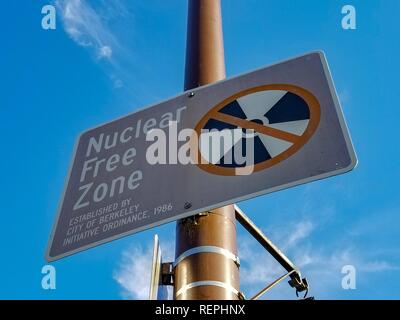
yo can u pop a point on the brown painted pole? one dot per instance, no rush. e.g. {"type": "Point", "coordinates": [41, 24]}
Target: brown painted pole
{"type": "Point", "coordinates": [206, 243]}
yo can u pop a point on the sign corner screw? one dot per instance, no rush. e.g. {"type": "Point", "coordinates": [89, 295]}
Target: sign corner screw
{"type": "Point", "coordinates": [187, 205]}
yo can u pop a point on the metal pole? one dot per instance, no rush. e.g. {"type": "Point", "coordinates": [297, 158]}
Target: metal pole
{"type": "Point", "coordinates": [206, 265]}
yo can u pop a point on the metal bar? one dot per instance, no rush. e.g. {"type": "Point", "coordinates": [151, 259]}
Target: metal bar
{"type": "Point", "coordinates": [205, 64]}
{"type": "Point", "coordinates": [271, 285]}
{"type": "Point", "coordinates": [266, 243]}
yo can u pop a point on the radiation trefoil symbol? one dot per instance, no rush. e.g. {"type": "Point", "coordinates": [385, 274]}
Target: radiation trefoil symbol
{"type": "Point", "coordinates": [282, 118]}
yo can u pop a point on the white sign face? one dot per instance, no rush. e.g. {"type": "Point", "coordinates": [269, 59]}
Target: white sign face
{"type": "Point", "coordinates": [260, 132]}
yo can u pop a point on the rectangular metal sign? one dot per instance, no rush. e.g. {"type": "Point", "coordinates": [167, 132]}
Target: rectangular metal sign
{"type": "Point", "coordinates": [260, 132]}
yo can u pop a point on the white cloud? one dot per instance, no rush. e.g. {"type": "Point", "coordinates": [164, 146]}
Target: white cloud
{"type": "Point", "coordinates": [299, 236]}
{"type": "Point", "coordinates": [260, 268]}
{"type": "Point", "coordinates": [134, 270]}
{"type": "Point", "coordinates": [378, 266]}
{"type": "Point", "coordinates": [133, 274]}
{"type": "Point", "coordinates": [116, 81]}
{"type": "Point", "coordinates": [103, 28]}
{"type": "Point", "coordinates": [321, 263]}
{"type": "Point", "coordinates": [87, 27]}
{"type": "Point", "coordinates": [300, 231]}
{"type": "Point", "coordinates": [105, 52]}
{"type": "Point", "coordinates": [317, 261]}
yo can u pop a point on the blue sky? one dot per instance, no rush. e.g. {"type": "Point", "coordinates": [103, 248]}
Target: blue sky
{"type": "Point", "coordinates": [108, 58]}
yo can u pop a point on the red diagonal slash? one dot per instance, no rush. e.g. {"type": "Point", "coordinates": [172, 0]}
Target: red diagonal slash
{"type": "Point", "coordinates": [246, 124]}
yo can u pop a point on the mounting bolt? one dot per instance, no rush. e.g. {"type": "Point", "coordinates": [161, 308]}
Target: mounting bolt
{"type": "Point", "coordinates": [187, 205]}
{"type": "Point", "coordinates": [191, 94]}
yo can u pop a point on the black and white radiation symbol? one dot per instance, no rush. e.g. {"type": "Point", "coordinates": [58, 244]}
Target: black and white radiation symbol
{"type": "Point", "coordinates": [281, 117]}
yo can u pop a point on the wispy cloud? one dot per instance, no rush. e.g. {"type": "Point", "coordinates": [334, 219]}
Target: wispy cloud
{"type": "Point", "coordinates": [106, 29]}
{"type": "Point", "coordinates": [88, 27]}
{"type": "Point", "coordinates": [133, 274]}
{"type": "Point", "coordinates": [105, 52]}
{"type": "Point", "coordinates": [259, 268]}
{"type": "Point", "coordinates": [300, 231]}
{"type": "Point", "coordinates": [319, 262]}
{"type": "Point", "coordinates": [308, 239]}
{"type": "Point", "coordinates": [378, 266]}
{"type": "Point", "coordinates": [101, 28]}
{"type": "Point", "coordinates": [134, 270]}
{"type": "Point", "coordinates": [310, 231]}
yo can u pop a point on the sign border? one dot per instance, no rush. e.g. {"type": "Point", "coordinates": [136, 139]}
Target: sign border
{"type": "Point", "coordinates": [342, 122]}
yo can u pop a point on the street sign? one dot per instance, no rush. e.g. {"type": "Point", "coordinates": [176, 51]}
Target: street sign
{"type": "Point", "coordinates": [157, 290]}
{"type": "Point", "coordinates": [282, 126]}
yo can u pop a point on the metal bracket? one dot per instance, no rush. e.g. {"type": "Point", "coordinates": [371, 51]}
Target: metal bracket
{"type": "Point", "coordinates": [299, 284]}
{"type": "Point", "coordinates": [195, 218]}
{"type": "Point", "coordinates": [271, 285]}
{"type": "Point", "coordinates": [207, 249]}
{"type": "Point", "coordinates": [167, 274]}
{"type": "Point", "coordinates": [227, 287]}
